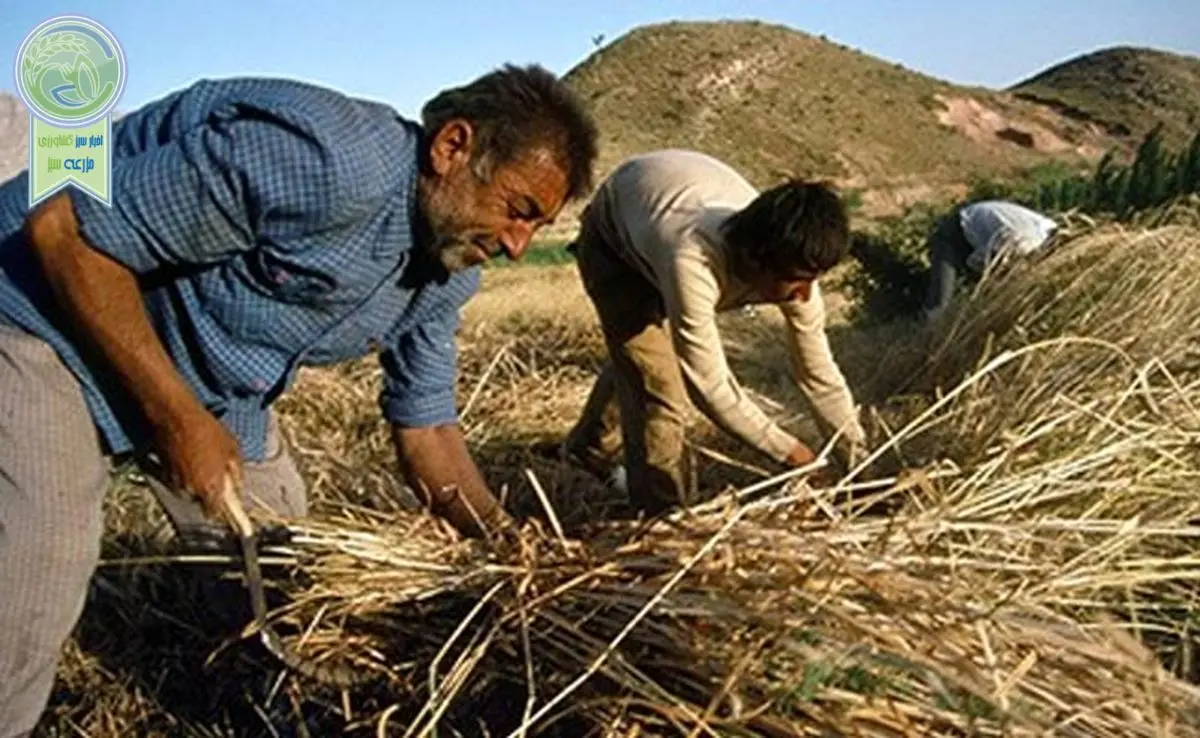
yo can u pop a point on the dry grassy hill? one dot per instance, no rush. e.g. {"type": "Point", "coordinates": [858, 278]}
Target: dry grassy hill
{"type": "Point", "coordinates": [1125, 90]}
{"type": "Point", "coordinates": [774, 101]}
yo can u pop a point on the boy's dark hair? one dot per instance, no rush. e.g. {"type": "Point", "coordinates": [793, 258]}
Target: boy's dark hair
{"type": "Point", "coordinates": [796, 226]}
{"type": "Point", "coordinates": [513, 109]}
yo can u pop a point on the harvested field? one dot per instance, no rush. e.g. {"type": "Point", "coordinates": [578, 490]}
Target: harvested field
{"type": "Point", "coordinates": [1016, 558]}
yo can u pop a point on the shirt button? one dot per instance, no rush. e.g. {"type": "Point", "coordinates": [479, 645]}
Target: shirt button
{"type": "Point", "coordinates": [258, 384]}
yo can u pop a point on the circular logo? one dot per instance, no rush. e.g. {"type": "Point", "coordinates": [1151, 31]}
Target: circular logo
{"type": "Point", "coordinates": [70, 71]}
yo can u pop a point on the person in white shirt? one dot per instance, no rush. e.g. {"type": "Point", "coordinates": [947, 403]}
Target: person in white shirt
{"type": "Point", "coordinates": [975, 236]}
{"type": "Point", "coordinates": [671, 239]}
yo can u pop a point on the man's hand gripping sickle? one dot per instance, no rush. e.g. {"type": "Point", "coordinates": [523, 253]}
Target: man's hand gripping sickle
{"type": "Point", "coordinates": [229, 507]}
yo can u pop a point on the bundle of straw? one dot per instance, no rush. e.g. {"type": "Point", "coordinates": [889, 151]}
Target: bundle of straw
{"type": "Point", "coordinates": [760, 620]}
{"type": "Point", "coordinates": [1039, 552]}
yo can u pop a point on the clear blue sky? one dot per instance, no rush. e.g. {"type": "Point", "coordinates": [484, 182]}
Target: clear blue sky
{"type": "Point", "coordinates": [403, 52]}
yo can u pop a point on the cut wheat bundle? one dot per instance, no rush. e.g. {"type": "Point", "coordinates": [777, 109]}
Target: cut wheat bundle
{"type": "Point", "coordinates": [982, 607]}
{"type": "Point", "coordinates": [1035, 572]}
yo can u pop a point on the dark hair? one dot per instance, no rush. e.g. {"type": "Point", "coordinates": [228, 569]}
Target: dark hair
{"type": "Point", "coordinates": [794, 226]}
{"type": "Point", "coordinates": [513, 109]}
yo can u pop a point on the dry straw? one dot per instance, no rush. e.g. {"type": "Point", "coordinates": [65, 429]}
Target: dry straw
{"type": "Point", "coordinates": [1034, 573]}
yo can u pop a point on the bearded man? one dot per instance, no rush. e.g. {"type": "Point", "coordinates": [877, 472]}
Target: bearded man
{"type": "Point", "coordinates": [256, 226]}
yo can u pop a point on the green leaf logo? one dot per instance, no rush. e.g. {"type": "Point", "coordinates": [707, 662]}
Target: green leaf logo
{"type": "Point", "coordinates": [70, 71]}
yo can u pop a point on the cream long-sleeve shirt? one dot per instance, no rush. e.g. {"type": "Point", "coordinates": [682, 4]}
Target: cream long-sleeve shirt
{"type": "Point", "coordinates": [662, 211]}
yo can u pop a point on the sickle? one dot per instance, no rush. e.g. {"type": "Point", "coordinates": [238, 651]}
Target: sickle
{"type": "Point", "coordinates": [337, 675]}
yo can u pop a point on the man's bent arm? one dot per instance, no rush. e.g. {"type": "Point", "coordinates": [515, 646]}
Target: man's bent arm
{"type": "Point", "coordinates": [420, 368]}
{"type": "Point", "coordinates": [818, 374]}
{"type": "Point", "coordinates": [104, 303]}
{"type": "Point", "coordinates": [438, 467]}
{"type": "Point", "coordinates": [691, 292]}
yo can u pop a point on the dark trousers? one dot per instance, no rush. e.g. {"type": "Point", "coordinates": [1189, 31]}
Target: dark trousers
{"type": "Point", "coordinates": [948, 251]}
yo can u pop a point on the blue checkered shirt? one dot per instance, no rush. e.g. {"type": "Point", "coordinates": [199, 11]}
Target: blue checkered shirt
{"type": "Point", "coordinates": [271, 226]}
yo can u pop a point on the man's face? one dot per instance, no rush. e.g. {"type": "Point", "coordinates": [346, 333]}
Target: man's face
{"type": "Point", "coordinates": [472, 221]}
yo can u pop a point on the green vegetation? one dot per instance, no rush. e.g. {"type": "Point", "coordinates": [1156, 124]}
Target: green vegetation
{"type": "Point", "coordinates": [546, 253]}
{"type": "Point", "coordinates": [890, 267]}
{"type": "Point", "coordinates": [1155, 176]}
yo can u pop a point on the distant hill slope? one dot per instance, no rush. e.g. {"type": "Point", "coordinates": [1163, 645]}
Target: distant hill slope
{"type": "Point", "coordinates": [14, 136]}
{"type": "Point", "coordinates": [774, 101]}
{"type": "Point", "coordinates": [1125, 90]}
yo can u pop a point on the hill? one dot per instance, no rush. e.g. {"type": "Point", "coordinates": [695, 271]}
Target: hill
{"type": "Point", "coordinates": [774, 102]}
{"type": "Point", "coordinates": [1125, 90]}
{"type": "Point", "coordinates": [14, 136]}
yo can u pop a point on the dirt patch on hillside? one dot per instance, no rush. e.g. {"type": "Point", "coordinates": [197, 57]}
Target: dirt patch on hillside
{"type": "Point", "coordinates": [984, 124]}
{"type": "Point", "coordinates": [727, 82]}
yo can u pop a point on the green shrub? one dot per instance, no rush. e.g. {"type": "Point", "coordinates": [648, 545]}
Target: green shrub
{"type": "Point", "coordinates": [1155, 176]}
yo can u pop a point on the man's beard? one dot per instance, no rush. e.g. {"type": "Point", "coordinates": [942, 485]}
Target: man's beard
{"type": "Point", "coordinates": [452, 251]}
{"type": "Point", "coordinates": [449, 239]}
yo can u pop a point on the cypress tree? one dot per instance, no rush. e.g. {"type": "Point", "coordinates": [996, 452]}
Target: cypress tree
{"type": "Point", "coordinates": [1145, 181]}
{"type": "Point", "coordinates": [1190, 167]}
{"type": "Point", "coordinates": [1102, 183]}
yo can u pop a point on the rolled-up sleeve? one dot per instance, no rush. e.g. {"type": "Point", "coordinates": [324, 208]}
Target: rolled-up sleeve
{"type": "Point", "coordinates": [420, 365]}
{"type": "Point", "coordinates": [210, 192]}
{"type": "Point", "coordinates": [419, 374]}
